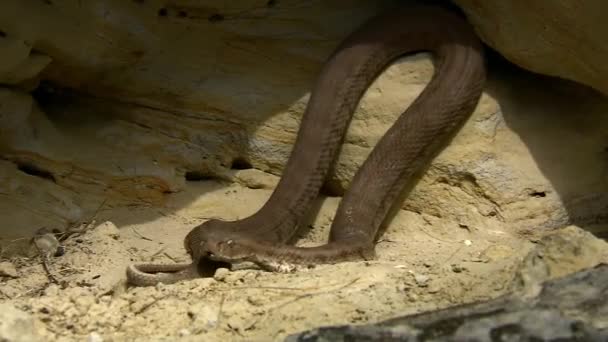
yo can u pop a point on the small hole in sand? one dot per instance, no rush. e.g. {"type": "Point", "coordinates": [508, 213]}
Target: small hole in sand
{"type": "Point", "coordinates": [35, 171]}
{"type": "Point", "coordinates": [215, 17]}
{"type": "Point", "coordinates": [538, 194]}
{"type": "Point", "coordinates": [196, 176]}
{"type": "Point", "coordinates": [240, 164]}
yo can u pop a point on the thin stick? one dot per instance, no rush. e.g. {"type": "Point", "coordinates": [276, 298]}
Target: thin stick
{"type": "Point", "coordinates": [308, 295]}
{"type": "Point", "coordinates": [220, 311]}
{"type": "Point", "coordinates": [161, 250]}
{"type": "Point", "coordinates": [139, 234]}
{"type": "Point", "coordinates": [298, 298]}
{"type": "Point", "coordinates": [170, 257]}
{"type": "Point", "coordinates": [47, 269]}
{"type": "Point", "coordinates": [147, 306]}
{"type": "Point", "coordinates": [436, 238]}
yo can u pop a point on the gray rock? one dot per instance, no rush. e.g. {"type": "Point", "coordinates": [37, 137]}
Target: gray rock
{"type": "Point", "coordinates": [17, 326]}
{"type": "Point", "coordinates": [7, 269]}
{"type": "Point", "coordinates": [570, 308]}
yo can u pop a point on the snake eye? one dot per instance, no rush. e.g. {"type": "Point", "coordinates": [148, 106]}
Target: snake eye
{"type": "Point", "coordinates": [229, 242]}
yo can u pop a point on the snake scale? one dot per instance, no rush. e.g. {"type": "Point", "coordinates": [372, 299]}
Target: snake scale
{"type": "Point", "coordinates": [444, 104]}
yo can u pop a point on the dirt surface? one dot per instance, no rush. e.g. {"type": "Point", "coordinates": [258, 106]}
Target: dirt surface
{"type": "Point", "coordinates": [422, 263]}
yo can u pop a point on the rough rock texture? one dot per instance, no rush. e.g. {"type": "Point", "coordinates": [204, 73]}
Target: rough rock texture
{"type": "Point", "coordinates": [558, 38]}
{"type": "Point", "coordinates": [18, 326]}
{"type": "Point", "coordinates": [417, 270]}
{"type": "Point", "coordinates": [550, 299]}
{"type": "Point", "coordinates": [561, 312]}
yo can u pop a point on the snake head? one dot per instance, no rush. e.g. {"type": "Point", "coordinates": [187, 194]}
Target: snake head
{"type": "Point", "coordinates": [215, 240]}
{"type": "Point", "coordinates": [224, 250]}
{"type": "Point", "coordinates": [230, 249]}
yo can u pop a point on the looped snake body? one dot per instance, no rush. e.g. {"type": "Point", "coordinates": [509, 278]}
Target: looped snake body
{"type": "Point", "coordinates": [443, 105]}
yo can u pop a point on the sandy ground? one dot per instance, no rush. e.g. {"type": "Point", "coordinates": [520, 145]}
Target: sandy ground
{"type": "Point", "coordinates": [422, 263]}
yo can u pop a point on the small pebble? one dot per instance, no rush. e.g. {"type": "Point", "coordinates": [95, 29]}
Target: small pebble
{"type": "Point", "coordinates": [7, 269]}
{"type": "Point", "coordinates": [255, 300]}
{"type": "Point", "coordinates": [94, 337]}
{"type": "Point", "coordinates": [105, 299]}
{"type": "Point", "coordinates": [405, 286]}
{"type": "Point", "coordinates": [433, 289]}
{"type": "Point", "coordinates": [47, 244]}
{"type": "Point", "coordinates": [60, 251]}
{"type": "Point", "coordinates": [457, 268]}
{"type": "Point", "coordinates": [160, 286]}
{"type": "Point", "coordinates": [107, 228]}
{"type": "Point", "coordinates": [482, 260]}
{"type": "Point", "coordinates": [221, 274]}
{"type": "Point", "coordinates": [421, 280]}
{"type": "Point", "coordinates": [52, 290]}
{"type": "Point", "coordinates": [468, 242]}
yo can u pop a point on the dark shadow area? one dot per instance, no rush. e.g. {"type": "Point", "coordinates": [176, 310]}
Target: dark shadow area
{"type": "Point", "coordinates": [96, 101]}
{"type": "Point", "coordinates": [240, 163]}
{"type": "Point", "coordinates": [34, 170]}
{"type": "Point", "coordinates": [196, 176]}
{"type": "Point", "coordinates": [565, 127]}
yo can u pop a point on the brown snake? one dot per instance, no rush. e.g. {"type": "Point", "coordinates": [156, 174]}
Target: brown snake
{"type": "Point", "coordinates": [418, 133]}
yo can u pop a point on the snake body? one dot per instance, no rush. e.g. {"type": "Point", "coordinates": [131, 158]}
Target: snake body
{"type": "Point", "coordinates": [443, 105]}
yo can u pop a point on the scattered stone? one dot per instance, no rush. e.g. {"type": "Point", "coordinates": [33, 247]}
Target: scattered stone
{"type": "Point", "coordinates": [458, 268]}
{"type": "Point", "coordinates": [7, 269]}
{"type": "Point", "coordinates": [540, 307]}
{"type": "Point", "coordinates": [496, 253]}
{"type": "Point", "coordinates": [94, 337]}
{"type": "Point", "coordinates": [433, 289]}
{"type": "Point", "coordinates": [480, 260]}
{"type": "Point", "coordinates": [18, 326]}
{"type": "Point", "coordinates": [108, 229]}
{"type": "Point", "coordinates": [254, 179]}
{"type": "Point", "coordinates": [46, 243]}
{"type": "Point", "coordinates": [203, 315]}
{"type": "Point", "coordinates": [255, 300]}
{"type": "Point", "coordinates": [221, 274]}
{"type": "Point", "coordinates": [52, 290]}
{"type": "Point", "coordinates": [561, 311]}
{"type": "Point", "coordinates": [560, 253]}
{"type": "Point", "coordinates": [421, 280]}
